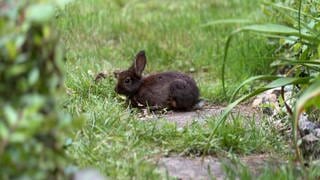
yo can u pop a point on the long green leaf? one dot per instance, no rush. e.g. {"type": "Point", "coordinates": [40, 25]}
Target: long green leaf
{"type": "Point", "coordinates": [226, 48]}
{"type": "Point", "coordinates": [278, 30]}
{"type": "Point", "coordinates": [287, 81]}
{"type": "Point", "coordinates": [227, 21]}
{"type": "Point", "coordinates": [315, 65]}
{"type": "Point", "coordinates": [300, 62]}
{"type": "Point", "coordinates": [254, 78]}
{"type": "Point", "coordinates": [271, 28]}
{"type": "Point", "coordinates": [312, 92]}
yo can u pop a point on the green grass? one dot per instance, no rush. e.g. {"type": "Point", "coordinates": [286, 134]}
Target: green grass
{"type": "Point", "coordinates": [272, 170]}
{"type": "Point", "coordinates": [106, 34]}
{"type": "Point", "coordinates": [117, 143]}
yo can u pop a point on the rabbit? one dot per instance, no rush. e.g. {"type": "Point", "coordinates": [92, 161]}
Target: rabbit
{"type": "Point", "coordinates": [172, 90]}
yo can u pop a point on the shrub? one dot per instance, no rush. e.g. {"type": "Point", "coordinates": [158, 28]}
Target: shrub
{"type": "Point", "coordinates": [32, 130]}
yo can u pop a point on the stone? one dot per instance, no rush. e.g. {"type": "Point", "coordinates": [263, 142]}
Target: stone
{"type": "Point", "coordinates": [267, 102]}
{"type": "Point", "coordinates": [310, 146]}
{"type": "Point", "coordinates": [86, 174]}
{"type": "Point", "coordinates": [310, 138]}
{"type": "Point", "coordinates": [316, 132]}
{"type": "Point", "coordinates": [306, 126]}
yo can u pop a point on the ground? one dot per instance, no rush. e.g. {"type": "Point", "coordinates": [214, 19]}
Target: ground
{"type": "Point", "coordinates": [122, 142]}
{"type": "Point", "coordinates": [200, 115]}
{"type": "Point", "coordinates": [207, 167]}
{"type": "Point", "coordinates": [204, 167]}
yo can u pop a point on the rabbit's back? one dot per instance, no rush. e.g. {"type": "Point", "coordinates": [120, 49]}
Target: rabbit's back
{"type": "Point", "coordinates": [173, 89]}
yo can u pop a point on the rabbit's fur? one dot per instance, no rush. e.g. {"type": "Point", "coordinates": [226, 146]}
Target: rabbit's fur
{"type": "Point", "coordinates": [171, 90]}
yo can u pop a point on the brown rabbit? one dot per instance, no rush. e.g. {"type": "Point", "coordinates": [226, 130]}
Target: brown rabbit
{"type": "Point", "coordinates": [171, 90]}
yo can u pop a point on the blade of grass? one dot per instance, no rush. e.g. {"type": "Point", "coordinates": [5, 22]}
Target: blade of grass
{"type": "Point", "coordinates": [226, 48]}
{"type": "Point", "coordinates": [299, 17]}
{"type": "Point", "coordinates": [287, 8]}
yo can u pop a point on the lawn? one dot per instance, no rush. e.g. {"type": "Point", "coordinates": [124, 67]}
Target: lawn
{"type": "Point", "coordinates": [104, 35]}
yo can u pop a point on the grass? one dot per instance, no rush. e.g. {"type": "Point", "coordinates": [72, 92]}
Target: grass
{"type": "Point", "coordinates": [271, 171]}
{"type": "Point", "coordinates": [105, 35]}
{"type": "Point", "coordinates": [117, 143]}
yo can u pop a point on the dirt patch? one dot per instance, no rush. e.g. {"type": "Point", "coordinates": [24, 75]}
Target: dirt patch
{"type": "Point", "coordinates": [184, 118]}
{"type": "Point", "coordinates": [206, 168]}
{"type": "Point", "coordinates": [209, 167]}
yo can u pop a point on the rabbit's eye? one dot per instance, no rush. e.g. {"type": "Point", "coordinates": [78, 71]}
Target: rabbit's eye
{"type": "Point", "coordinates": [127, 81]}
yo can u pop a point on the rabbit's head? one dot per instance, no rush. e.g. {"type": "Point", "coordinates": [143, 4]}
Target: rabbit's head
{"type": "Point", "coordinates": [129, 81]}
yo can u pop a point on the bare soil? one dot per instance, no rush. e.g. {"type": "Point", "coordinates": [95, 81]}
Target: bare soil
{"type": "Point", "coordinates": [208, 110]}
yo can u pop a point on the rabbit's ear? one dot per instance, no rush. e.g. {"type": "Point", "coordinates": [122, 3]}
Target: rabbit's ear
{"type": "Point", "coordinates": [140, 63]}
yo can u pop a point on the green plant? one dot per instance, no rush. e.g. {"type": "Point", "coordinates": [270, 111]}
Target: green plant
{"type": "Point", "coordinates": [33, 131]}
{"type": "Point", "coordinates": [299, 43]}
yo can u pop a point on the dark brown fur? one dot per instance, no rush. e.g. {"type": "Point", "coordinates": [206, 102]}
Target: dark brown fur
{"type": "Point", "coordinates": [172, 90]}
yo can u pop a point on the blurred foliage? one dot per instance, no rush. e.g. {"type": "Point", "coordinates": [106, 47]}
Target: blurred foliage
{"type": "Point", "coordinates": [32, 131]}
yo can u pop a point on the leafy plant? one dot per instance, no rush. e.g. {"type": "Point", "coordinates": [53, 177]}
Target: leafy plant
{"type": "Point", "coordinates": [299, 43]}
{"type": "Point", "coordinates": [32, 131]}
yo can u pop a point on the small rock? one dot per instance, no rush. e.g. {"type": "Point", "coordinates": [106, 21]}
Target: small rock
{"type": "Point", "coordinates": [306, 126]}
{"type": "Point", "coordinates": [316, 132]}
{"type": "Point", "coordinates": [310, 146]}
{"type": "Point", "coordinates": [90, 72]}
{"type": "Point", "coordinates": [288, 88]}
{"type": "Point", "coordinates": [310, 138]}
{"type": "Point", "coordinates": [280, 125]}
{"type": "Point", "coordinates": [200, 104]}
{"type": "Point", "coordinates": [192, 70]}
{"type": "Point", "coordinates": [256, 102]}
{"type": "Point", "coordinates": [267, 102]}
{"type": "Point", "coordinates": [87, 174]}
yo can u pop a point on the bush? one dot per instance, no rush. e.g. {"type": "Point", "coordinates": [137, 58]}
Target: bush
{"type": "Point", "coordinates": [32, 131]}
